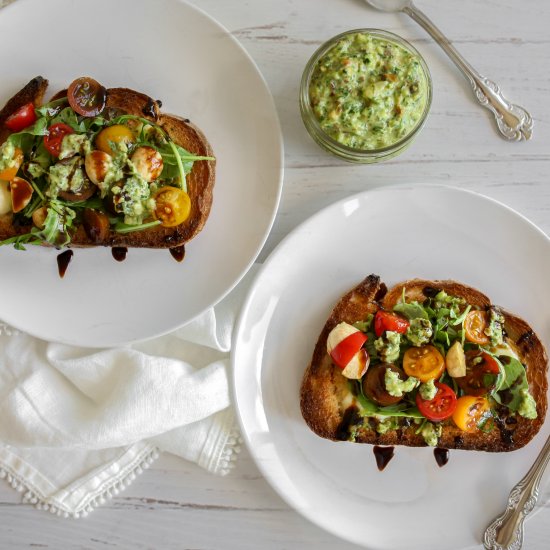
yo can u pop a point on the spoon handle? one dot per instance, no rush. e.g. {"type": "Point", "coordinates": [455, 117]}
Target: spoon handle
{"type": "Point", "coordinates": [513, 121]}
{"type": "Point", "coordinates": [506, 531]}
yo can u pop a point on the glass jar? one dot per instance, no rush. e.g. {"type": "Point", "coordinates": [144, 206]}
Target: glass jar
{"type": "Point", "coordinates": [361, 101]}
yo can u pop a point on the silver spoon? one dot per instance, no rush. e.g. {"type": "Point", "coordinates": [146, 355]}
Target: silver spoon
{"type": "Point", "coordinates": [513, 121]}
{"type": "Point", "coordinates": [506, 531]}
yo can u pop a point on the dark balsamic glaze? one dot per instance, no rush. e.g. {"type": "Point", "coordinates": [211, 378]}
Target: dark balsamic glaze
{"type": "Point", "coordinates": [506, 396]}
{"type": "Point", "coordinates": [119, 253]}
{"type": "Point", "coordinates": [459, 441]}
{"type": "Point", "coordinates": [159, 103]}
{"type": "Point", "coordinates": [63, 261]}
{"type": "Point", "coordinates": [149, 109]}
{"type": "Point", "coordinates": [383, 455]}
{"type": "Point", "coordinates": [430, 291]}
{"type": "Point", "coordinates": [381, 292]}
{"type": "Point", "coordinates": [178, 252]}
{"type": "Point", "coordinates": [441, 456]}
{"type": "Point", "coordinates": [351, 415]}
{"type": "Point", "coordinates": [525, 341]}
{"type": "Point", "coordinates": [506, 435]}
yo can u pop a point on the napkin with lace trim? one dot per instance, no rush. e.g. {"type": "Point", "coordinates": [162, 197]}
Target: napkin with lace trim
{"type": "Point", "coordinates": [78, 425]}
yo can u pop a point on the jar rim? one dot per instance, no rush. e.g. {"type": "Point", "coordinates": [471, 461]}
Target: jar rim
{"type": "Point", "coordinates": [307, 110]}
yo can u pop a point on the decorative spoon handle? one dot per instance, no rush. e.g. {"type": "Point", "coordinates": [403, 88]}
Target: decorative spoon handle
{"type": "Point", "coordinates": [506, 531]}
{"type": "Point", "coordinates": [513, 121]}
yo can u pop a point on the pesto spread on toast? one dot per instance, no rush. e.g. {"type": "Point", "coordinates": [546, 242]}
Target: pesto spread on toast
{"type": "Point", "coordinates": [97, 166]}
{"type": "Point", "coordinates": [428, 363]}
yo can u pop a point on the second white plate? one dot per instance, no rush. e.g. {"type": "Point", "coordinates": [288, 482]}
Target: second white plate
{"type": "Point", "coordinates": [399, 233]}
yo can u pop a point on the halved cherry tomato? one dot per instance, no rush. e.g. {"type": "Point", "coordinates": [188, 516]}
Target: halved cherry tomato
{"type": "Point", "coordinates": [343, 353]}
{"type": "Point", "coordinates": [424, 363]}
{"type": "Point", "coordinates": [54, 137]}
{"type": "Point", "coordinates": [9, 173]}
{"type": "Point", "coordinates": [87, 96]}
{"type": "Point", "coordinates": [172, 206]}
{"type": "Point", "coordinates": [374, 384]}
{"type": "Point", "coordinates": [481, 373]}
{"type": "Point", "coordinates": [439, 408]}
{"type": "Point", "coordinates": [383, 320]}
{"type": "Point", "coordinates": [470, 411]}
{"type": "Point", "coordinates": [475, 325]}
{"type": "Point", "coordinates": [23, 117]}
{"type": "Point", "coordinates": [117, 133]}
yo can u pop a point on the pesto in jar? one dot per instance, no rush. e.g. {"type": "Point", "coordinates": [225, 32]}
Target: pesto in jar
{"type": "Point", "coordinates": [368, 92]}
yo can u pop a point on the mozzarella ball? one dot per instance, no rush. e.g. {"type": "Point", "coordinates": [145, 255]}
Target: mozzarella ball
{"type": "Point", "coordinates": [147, 162]}
{"type": "Point", "coordinates": [97, 165]}
{"type": "Point", "coordinates": [5, 198]}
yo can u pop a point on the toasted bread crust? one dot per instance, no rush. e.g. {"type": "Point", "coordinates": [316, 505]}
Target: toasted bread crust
{"type": "Point", "coordinates": [325, 395]}
{"type": "Point", "coordinates": [200, 182]}
{"type": "Point", "coordinates": [33, 92]}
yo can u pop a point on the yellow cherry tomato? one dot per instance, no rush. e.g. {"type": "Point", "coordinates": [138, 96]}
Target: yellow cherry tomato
{"type": "Point", "coordinates": [172, 206]}
{"type": "Point", "coordinates": [470, 411]}
{"type": "Point", "coordinates": [475, 325]}
{"type": "Point", "coordinates": [424, 363]}
{"type": "Point", "coordinates": [9, 173]}
{"type": "Point", "coordinates": [117, 133]}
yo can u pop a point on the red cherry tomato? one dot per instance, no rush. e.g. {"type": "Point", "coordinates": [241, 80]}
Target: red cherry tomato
{"type": "Point", "coordinates": [54, 137]}
{"type": "Point", "coordinates": [23, 117]}
{"type": "Point", "coordinates": [87, 96]}
{"type": "Point", "coordinates": [439, 408]}
{"type": "Point", "coordinates": [343, 353]}
{"type": "Point", "coordinates": [384, 320]}
{"type": "Point", "coordinates": [481, 373]}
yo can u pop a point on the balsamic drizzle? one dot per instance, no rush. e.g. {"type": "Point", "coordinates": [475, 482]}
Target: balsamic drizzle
{"type": "Point", "coordinates": [119, 253]}
{"type": "Point", "coordinates": [178, 252]}
{"type": "Point", "coordinates": [63, 261]}
{"type": "Point", "coordinates": [383, 455]}
{"type": "Point", "coordinates": [441, 456]}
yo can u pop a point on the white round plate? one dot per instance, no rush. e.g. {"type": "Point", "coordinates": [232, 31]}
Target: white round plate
{"type": "Point", "coordinates": [171, 51]}
{"type": "Point", "coordinates": [398, 233]}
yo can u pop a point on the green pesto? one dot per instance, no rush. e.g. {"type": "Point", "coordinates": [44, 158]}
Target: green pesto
{"type": "Point", "coordinates": [431, 433]}
{"type": "Point", "coordinates": [7, 155]}
{"type": "Point", "coordinates": [397, 387]}
{"type": "Point", "coordinates": [387, 346]}
{"type": "Point", "coordinates": [368, 92]}
{"type": "Point", "coordinates": [66, 176]}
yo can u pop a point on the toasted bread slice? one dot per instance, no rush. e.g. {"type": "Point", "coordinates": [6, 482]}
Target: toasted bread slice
{"type": "Point", "coordinates": [200, 182]}
{"type": "Point", "coordinates": [330, 409]}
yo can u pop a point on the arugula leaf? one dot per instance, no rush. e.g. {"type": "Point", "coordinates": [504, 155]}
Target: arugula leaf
{"type": "Point", "coordinates": [364, 326]}
{"type": "Point", "coordinates": [57, 224]}
{"type": "Point", "coordinates": [512, 380]}
{"type": "Point", "coordinates": [370, 408]}
{"type": "Point", "coordinates": [52, 108]}
{"type": "Point", "coordinates": [25, 138]}
{"type": "Point", "coordinates": [26, 238]}
{"type": "Point", "coordinates": [69, 117]}
{"type": "Point", "coordinates": [121, 227]}
{"type": "Point", "coordinates": [414, 310]}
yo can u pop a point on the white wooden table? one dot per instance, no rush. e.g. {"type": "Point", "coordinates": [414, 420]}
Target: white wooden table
{"type": "Point", "coordinates": [178, 505]}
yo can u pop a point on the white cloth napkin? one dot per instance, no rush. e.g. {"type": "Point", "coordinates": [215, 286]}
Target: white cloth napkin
{"type": "Point", "coordinates": [77, 425]}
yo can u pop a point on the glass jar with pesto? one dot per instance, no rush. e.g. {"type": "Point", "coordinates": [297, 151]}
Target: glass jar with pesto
{"type": "Point", "coordinates": [365, 95]}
